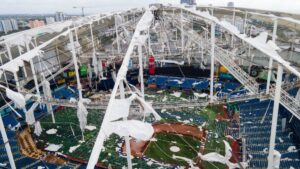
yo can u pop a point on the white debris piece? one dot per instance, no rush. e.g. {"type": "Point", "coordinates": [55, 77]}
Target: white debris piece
{"type": "Point", "coordinates": [73, 148]}
{"type": "Point", "coordinates": [16, 97]}
{"type": "Point", "coordinates": [176, 94]}
{"type": "Point", "coordinates": [174, 149]}
{"type": "Point", "coordinates": [200, 95]}
{"type": "Point", "coordinates": [51, 131]}
{"type": "Point", "coordinates": [216, 157]}
{"type": "Point", "coordinates": [165, 99]}
{"type": "Point", "coordinates": [176, 80]}
{"type": "Point", "coordinates": [149, 163]}
{"type": "Point", "coordinates": [53, 147]}
{"type": "Point", "coordinates": [72, 100]}
{"type": "Point", "coordinates": [153, 139]}
{"type": "Point", "coordinates": [280, 140]}
{"type": "Point", "coordinates": [190, 162]}
{"type": "Point", "coordinates": [292, 149]}
{"type": "Point", "coordinates": [134, 128]}
{"type": "Point", "coordinates": [90, 128]}
{"type": "Point", "coordinates": [38, 128]}
{"type": "Point", "coordinates": [3, 164]}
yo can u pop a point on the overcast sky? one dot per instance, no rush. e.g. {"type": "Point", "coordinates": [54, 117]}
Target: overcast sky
{"type": "Point", "coordinates": [97, 6]}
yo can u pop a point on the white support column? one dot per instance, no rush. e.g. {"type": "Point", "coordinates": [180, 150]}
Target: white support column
{"type": "Point", "coordinates": [275, 117]}
{"type": "Point", "coordinates": [27, 47]}
{"type": "Point", "coordinates": [212, 62]}
{"type": "Point", "coordinates": [92, 36]}
{"type": "Point", "coordinates": [24, 69]}
{"type": "Point", "coordinates": [127, 139]}
{"type": "Point", "coordinates": [34, 78]}
{"type": "Point", "coordinates": [7, 146]}
{"type": "Point", "coordinates": [212, 11]}
{"type": "Point", "coordinates": [35, 42]}
{"type": "Point", "coordinates": [4, 74]}
{"type": "Point", "coordinates": [74, 57]}
{"type": "Point", "coordinates": [149, 42]}
{"type": "Point", "coordinates": [17, 81]}
{"type": "Point", "coordinates": [141, 72]}
{"type": "Point", "coordinates": [245, 21]}
{"type": "Point", "coordinates": [233, 17]}
{"type": "Point", "coordinates": [76, 34]}
{"type": "Point", "coordinates": [271, 60]}
{"type": "Point", "coordinates": [117, 37]}
{"type": "Point", "coordinates": [233, 23]}
{"type": "Point", "coordinates": [181, 32]}
{"type": "Point", "coordinates": [8, 51]}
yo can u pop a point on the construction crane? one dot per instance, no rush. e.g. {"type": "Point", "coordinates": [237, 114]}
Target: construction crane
{"type": "Point", "coordinates": [82, 8]}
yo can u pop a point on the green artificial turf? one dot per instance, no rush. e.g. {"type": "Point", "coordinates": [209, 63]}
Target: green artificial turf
{"type": "Point", "coordinates": [67, 117]}
{"type": "Point", "coordinates": [160, 150]}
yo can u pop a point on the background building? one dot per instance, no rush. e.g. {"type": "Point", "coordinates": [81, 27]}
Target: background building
{"type": "Point", "coordinates": [36, 23]}
{"type": "Point", "coordinates": [50, 20]}
{"type": "Point", "coordinates": [189, 2]}
{"type": "Point", "coordinates": [8, 25]}
{"type": "Point", "coordinates": [59, 16]}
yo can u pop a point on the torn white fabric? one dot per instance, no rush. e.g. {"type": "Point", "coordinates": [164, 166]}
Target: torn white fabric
{"type": "Point", "coordinates": [95, 63]}
{"type": "Point", "coordinates": [82, 115]}
{"type": "Point", "coordinates": [134, 128]}
{"type": "Point", "coordinates": [119, 109]}
{"type": "Point", "coordinates": [47, 89]}
{"type": "Point", "coordinates": [216, 157]}
{"type": "Point", "coordinates": [37, 128]}
{"type": "Point", "coordinates": [73, 148]}
{"type": "Point", "coordinates": [200, 95]}
{"type": "Point", "coordinates": [16, 97]}
{"type": "Point", "coordinates": [148, 107]}
{"type": "Point", "coordinates": [90, 128]}
{"type": "Point", "coordinates": [100, 68]}
{"type": "Point", "coordinates": [53, 147]}
{"type": "Point", "coordinates": [51, 131]}
{"type": "Point", "coordinates": [30, 119]}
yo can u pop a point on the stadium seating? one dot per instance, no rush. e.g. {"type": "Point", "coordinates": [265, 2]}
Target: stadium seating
{"type": "Point", "coordinates": [257, 133]}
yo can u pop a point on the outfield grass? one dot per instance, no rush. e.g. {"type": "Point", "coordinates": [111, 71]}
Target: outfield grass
{"type": "Point", "coordinates": [160, 150]}
{"type": "Point", "coordinates": [67, 117]}
{"type": "Point", "coordinates": [65, 120]}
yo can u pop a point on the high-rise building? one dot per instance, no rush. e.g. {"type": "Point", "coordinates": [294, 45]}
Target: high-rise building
{"type": "Point", "coordinates": [36, 23]}
{"type": "Point", "coordinates": [14, 24]}
{"type": "Point", "coordinates": [1, 28]}
{"type": "Point", "coordinates": [6, 25]}
{"type": "Point", "coordinates": [50, 20]}
{"type": "Point", "coordinates": [59, 16]}
{"type": "Point", "coordinates": [188, 2]}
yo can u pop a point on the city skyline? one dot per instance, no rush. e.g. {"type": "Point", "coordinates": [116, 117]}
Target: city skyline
{"type": "Point", "coordinates": [52, 6]}
{"type": "Point", "coordinates": [8, 7]}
